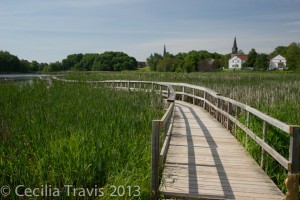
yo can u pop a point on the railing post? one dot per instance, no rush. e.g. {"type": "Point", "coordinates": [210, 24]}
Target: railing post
{"type": "Point", "coordinates": [248, 119]}
{"type": "Point", "coordinates": [160, 89]}
{"type": "Point", "coordinates": [263, 153]}
{"type": "Point", "coordinates": [229, 111]}
{"type": "Point", "coordinates": [155, 159]}
{"type": "Point", "coordinates": [168, 94]}
{"type": "Point", "coordinates": [152, 87]}
{"type": "Point", "coordinates": [128, 85]}
{"type": "Point", "coordinates": [183, 90]}
{"type": "Point", "coordinates": [247, 124]}
{"type": "Point", "coordinates": [193, 96]}
{"type": "Point", "coordinates": [292, 181]}
{"type": "Point", "coordinates": [204, 98]}
{"type": "Point", "coordinates": [218, 106]}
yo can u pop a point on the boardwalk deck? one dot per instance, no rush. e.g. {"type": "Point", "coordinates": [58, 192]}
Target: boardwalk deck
{"type": "Point", "coordinates": [205, 161]}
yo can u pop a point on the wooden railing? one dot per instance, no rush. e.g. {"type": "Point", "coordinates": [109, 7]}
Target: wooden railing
{"type": "Point", "coordinates": [226, 111]}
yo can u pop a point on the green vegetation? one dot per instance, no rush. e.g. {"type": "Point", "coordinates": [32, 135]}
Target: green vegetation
{"type": "Point", "coordinates": [71, 113]}
{"type": "Point", "coordinates": [76, 134]}
{"type": "Point", "coordinates": [193, 61]}
{"type": "Point", "coordinates": [270, 92]}
{"type": "Point", "coordinates": [274, 93]}
{"type": "Point", "coordinates": [107, 61]}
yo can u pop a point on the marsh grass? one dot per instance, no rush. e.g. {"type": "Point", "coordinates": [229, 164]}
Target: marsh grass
{"type": "Point", "coordinates": [75, 134]}
{"type": "Point", "coordinates": [274, 93]}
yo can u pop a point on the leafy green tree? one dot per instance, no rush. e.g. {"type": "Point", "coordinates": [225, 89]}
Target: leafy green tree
{"type": "Point", "coordinates": [56, 66]}
{"type": "Point", "coordinates": [34, 66]}
{"type": "Point", "coordinates": [11, 63]}
{"type": "Point", "coordinates": [114, 61]}
{"type": "Point", "coordinates": [25, 65]}
{"type": "Point", "coordinates": [152, 61]}
{"type": "Point", "coordinates": [261, 62]}
{"type": "Point", "coordinates": [191, 60]}
{"type": "Point", "coordinates": [71, 60]}
{"type": "Point", "coordinates": [42, 66]}
{"type": "Point", "coordinates": [224, 61]}
{"type": "Point", "coordinates": [279, 50]}
{"type": "Point", "coordinates": [251, 58]}
{"type": "Point", "coordinates": [177, 65]}
{"type": "Point", "coordinates": [165, 64]}
{"type": "Point", "coordinates": [293, 56]}
{"type": "Point", "coordinates": [86, 63]}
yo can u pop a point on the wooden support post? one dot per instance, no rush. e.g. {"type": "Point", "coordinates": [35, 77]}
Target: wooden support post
{"type": "Point", "coordinates": [204, 98]}
{"type": "Point", "coordinates": [229, 111]}
{"type": "Point", "coordinates": [160, 89]}
{"type": "Point", "coordinates": [248, 118]}
{"type": "Point", "coordinates": [193, 96]}
{"type": "Point", "coordinates": [292, 181]}
{"type": "Point", "coordinates": [210, 100]}
{"type": "Point", "coordinates": [222, 116]}
{"type": "Point", "coordinates": [247, 124]}
{"type": "Point", "coordinates": [183, 91]}
{"type": "Point", "coordinates": [128, 85]}
{"type": "Point", "coordinates": [168, 94]}
{"type": "Point", "coordinates": [218, 113]}
{"type": "Point", "coordinates": [152, 87]}
{"type": "Point", "coordinates": [155, 160]}
{"type": "Point", "coordinates": [263, 153]}
{"type": "Point", "coordinates": [236, 116]}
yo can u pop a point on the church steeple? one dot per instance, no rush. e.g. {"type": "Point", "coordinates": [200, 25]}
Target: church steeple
{"type": "Point", "coordinates": [165, 51]}
{"type": "Point", "coordinates": [234, 48]}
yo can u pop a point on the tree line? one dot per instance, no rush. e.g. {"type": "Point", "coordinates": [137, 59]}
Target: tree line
{"type": "Point", "coordinates": [107, 61]}
{"type": "Point", "coordinates": [194, 61]}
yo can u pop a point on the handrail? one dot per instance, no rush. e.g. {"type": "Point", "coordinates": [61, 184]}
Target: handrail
{"type": "Point", "coordinates": [222, 108]}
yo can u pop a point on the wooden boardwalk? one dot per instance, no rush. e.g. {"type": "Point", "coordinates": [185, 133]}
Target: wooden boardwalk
{"type": "Point", "coordinates": [205, 161]}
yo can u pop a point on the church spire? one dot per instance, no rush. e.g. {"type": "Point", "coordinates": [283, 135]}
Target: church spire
{"type": "Point", "coordinates": [165, 51]}
{"type": "Point", "coordinates": [234, 48]}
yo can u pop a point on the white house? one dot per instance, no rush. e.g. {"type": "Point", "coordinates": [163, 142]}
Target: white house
{"type": "Point", "coordinates": [236, 61]}
{"type": "Point", "coordinates": [277, 62]}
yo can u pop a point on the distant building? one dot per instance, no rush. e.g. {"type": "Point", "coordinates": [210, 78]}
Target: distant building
{"type": "Point", "coordinates": [277, 62]}
{"type": "Point", "coordinates": [142, 64]}
{"type": "Point", "coordinates": [236, 61]}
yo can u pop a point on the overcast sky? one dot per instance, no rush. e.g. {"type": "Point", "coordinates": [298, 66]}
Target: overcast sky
{"type": "Point", "coordinates": [49, 30]}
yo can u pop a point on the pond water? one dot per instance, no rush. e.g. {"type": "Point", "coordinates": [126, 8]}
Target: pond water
{"type": "Point", "coordinates": [24, 76]}
{"type": "Point", "coordinates": [23, 79]}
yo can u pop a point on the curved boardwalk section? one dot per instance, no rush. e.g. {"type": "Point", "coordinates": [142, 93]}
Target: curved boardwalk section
{"type": "Point", "coordinates": [205, 161]}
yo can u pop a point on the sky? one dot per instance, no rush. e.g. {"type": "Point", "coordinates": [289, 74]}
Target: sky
{"type": "Point", "coordinates": [49, 30]}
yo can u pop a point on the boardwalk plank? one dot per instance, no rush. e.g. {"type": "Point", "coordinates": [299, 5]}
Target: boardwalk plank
{"type": "Point", "coordinates": [205, 161]}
